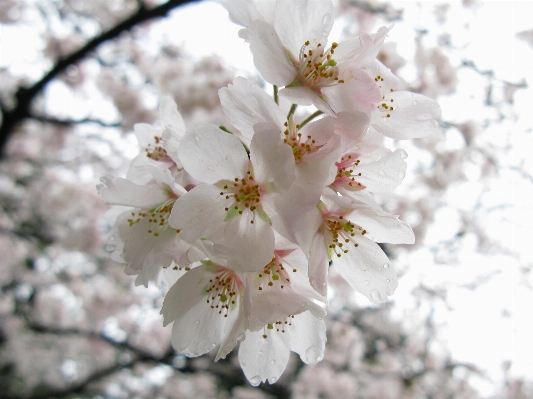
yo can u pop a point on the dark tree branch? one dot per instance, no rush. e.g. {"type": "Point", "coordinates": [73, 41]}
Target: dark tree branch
{"type": "Point", "coordinates": [70, 122]}
{"type": "Point", "coordinates": [229, 375]}
{"type": "Point", "coordinates": [25, 95]}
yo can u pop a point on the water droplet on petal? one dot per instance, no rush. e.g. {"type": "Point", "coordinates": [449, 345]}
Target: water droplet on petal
{"type": "Point", "coordinates": [243, 364]}
{"type": "Point", "coordinates": [197, 322]}
{"type": "Point", "coordinates": [260, 357]}
{"type": "Point", "coordinates": [240, 337]}
{"type": "Point", "coordinates": [367, 282]}
{"type": "Point", "coordinates": [254, 85]}
{"type": "Point", "coordinates": [253, 113]}
{"type": "Point", "coordinates": [403, 154]}
{"type": "Point", "coordinates": [401, 175]}
{"type": "Point", "coordinates": [415, 102]}
{"type": "Point", "coordinates": [255, 380]}
{"type": "Point", "coordinates": [386, 266]}
{"type": "Point", "coordinates": [313, 354]}
{"type": "Point", "coordinates": [272, 380]}
{"type": "Point", "coordinates": [326, 19]}
{"type": "Point", "coordinates": [248, 125]}
{"type": "Point", "coordinates": [272, 361]}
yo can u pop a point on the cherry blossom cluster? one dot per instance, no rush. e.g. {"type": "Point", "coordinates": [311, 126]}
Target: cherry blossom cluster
{"type": "Point", "coordinates": [245, 223]}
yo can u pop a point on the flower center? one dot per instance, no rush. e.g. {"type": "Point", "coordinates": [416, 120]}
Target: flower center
{"type": "Point", "coordinates": [317, 68]}
{"type": "Point", "coordinates": [345, 173]}
{"type": "Point", "coordinates": [222, 290]}
{"type": "Point", "coordinates": [274, 273]}
{"type": "Point", "coordinates": [156, 151]}
{"type": "Point", "coordinates": [244, 193]}
{"type": "Point", "coordinates": [340, 234]}
{"type": "Point", "coordinates": [278, 326]}
{"type": "Point", "coordinates": [157, 217]}
{"type": "Point", "coordinates": [301, 146]}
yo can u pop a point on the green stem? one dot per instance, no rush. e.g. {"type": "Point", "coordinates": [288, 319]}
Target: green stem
{"type": "Point", "coordinates": [224, 128]}
{"type": "Point", "coordinates": [291, 111]}
{"type": "Point", "coordinates": [276, 94]}
{"type": "Point", "coordinates": [310, 118]}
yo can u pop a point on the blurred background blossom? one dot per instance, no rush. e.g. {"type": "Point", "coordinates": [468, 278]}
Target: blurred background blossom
{"type": "Point", "coordinates": [75, 76]}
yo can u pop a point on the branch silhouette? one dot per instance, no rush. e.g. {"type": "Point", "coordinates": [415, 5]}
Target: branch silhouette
{"type": "Point", "coordinates": [25, 95]}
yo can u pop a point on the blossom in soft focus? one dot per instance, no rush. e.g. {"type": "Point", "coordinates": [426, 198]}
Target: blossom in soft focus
{"type": "Point", "coordinates": [253, 218]}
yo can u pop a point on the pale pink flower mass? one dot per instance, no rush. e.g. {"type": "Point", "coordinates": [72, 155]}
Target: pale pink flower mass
{"type": "Point", "coordinates": [254, 217]}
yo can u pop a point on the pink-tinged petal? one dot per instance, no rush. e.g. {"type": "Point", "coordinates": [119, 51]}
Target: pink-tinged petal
{"type": "Point", "coordinates": [413, 116]}
{"type": "Point", "coordinates": [242, 12]}
{"type": "Point", "coordinates": [119, 191]}
{"type": "Point", "coordinates": [385, 78]}
{"type": "Point", "coordinates": [304, 95]}
{"type": "Point", "coordinates": [359, 92]}
{"type": "Point", "coordinates": [270, 56]}
{"type": "Point", "coordinates": [366, 268]}
{"type": "Point", "coordinates": [298, 21]}
{"type": "Point", "coordinates": [210, 155]}
{"type": "Point", "coordinates": [352, 49]}
{"type": "Point", "coordinates": [377, 41]}
{"type": "Point", "coordinates": [250, 245]}
{"type": "Point", "coordinates": [308, 337]}
{"type": "Point", "coordinates": [384, 174]}
{"type": "Point", "coordinates": [318, 264]}
{"type": "Point", "coordinates": [199, 213]}
{"type": "Point", "coordinates": [272, 160]}
{"type": "Point", "coordinates": [318, 169]}
{"type": "Point", "coordinates": [353, 129]}
{"type": "Point", "coordinates": [245, 104]}
{"type": "Point", "coordinates": [264, 359]}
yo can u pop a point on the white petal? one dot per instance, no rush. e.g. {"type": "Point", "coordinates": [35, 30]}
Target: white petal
{"type": "Point", "coordinates": [318, 264]}
{"type": "Point", "coordinates": [308, 337]}
{"type": "Point", "coordinates": [297, 21]}
{"type": "Point", "coordinates": [199, 213]}
{"type": "Point", "coordinates": [145, 134]}
{"type": "Point", "coordinates": [352, 127]}
{"type": "Point", "coordinates": [381, 226]}
{"type": "Point", "coordinates": [385, 174]}
{"type": "Point", "coordinates": [270, 56]}
{"type": "Point", "coordinates": [189, 291]}
{"type": "Point", "coordinates": [251, 245]}
{"type": "Point", "coordinates": [367, 270]}
{"type": "Point", "coordinates": [245, 104]}
{"type": "Point", "coordinates": [137, 171]}
{"type": "Point", "coordinates": [414, 116]}
{"type": "Point", "coordinates": [264, 359]}
{"type": "Point", "coordinates": [242, 12]}
{"type": "Point", "coordinates": [171, 117]}
{"type": "Point", "coordinates": [210, 155]}
{"type": "Point", "coordinates": [304, 95]}
{"type": "Point", "coordinates": [119, 191]}
{"type": "Point", "coordinates": [272, 160]}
